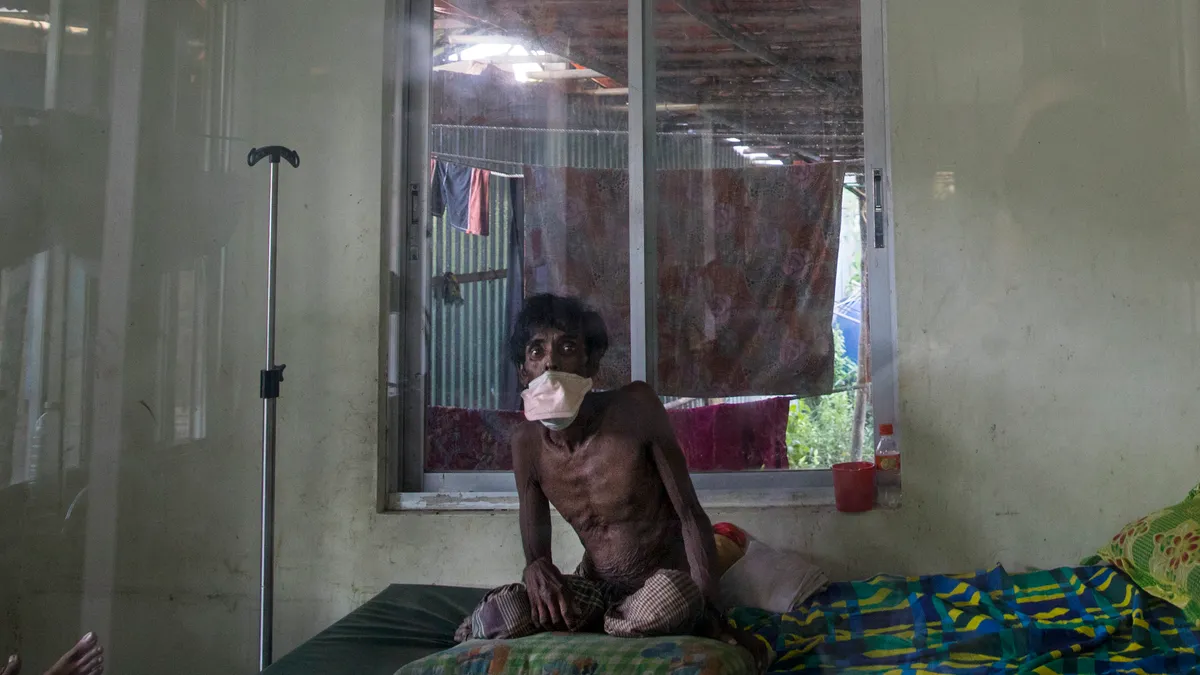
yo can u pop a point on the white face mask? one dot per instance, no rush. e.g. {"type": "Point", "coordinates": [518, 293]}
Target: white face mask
{"type": "Point", "coordinates": [554, 398]}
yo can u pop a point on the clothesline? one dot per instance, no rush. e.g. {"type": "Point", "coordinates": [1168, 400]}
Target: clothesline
{"type": "Point", "coordinates": [680, 402]}
{"type": "Point", "coordinates": [477, 163]}
{"type": "Point", "coordinates": [590, 132]}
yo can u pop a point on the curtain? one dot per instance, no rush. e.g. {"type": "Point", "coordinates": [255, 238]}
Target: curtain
{"type": "Point", "coordinates": [747, 268]}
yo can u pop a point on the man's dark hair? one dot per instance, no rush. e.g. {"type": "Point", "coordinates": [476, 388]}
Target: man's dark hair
{"type": "Point", "coordinates": [566, 314]}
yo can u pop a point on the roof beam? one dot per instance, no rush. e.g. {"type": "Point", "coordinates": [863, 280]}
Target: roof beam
{"type": "Point", "coordinates": [815, 41]}
{"type": "Point", "coordinates": [508, 59]}
{"type": "Point", "coordinates": [486, 40]}
{"type": "Point", "coordinates": [752, 46]}
{"type": "Point", "coordinates": [702, 70]}
{"type": "Point", "coordinates": [610, 91]}
{"type": "Point", "coordinates": [575, 74]}
{"type": "Point", "coordinates": [786, 20]}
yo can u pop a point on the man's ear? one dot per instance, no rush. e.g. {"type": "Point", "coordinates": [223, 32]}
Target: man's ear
{"type": "Point", "coordinates": [593, 362]}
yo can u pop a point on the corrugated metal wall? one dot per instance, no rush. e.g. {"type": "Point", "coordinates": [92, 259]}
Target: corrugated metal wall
{"type": "Point", "coordinates": [467, 338]}
{"type": "Point", "coordinates": [466, 342]}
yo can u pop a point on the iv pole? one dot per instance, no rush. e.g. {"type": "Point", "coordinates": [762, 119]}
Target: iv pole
{"type": "Point", "coordinates": [268, 391]}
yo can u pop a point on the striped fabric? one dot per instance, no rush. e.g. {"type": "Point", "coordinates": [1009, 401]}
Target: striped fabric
{"type": "Point", "coordinates": [505, 612]}
{"type": "Point", "coordinates": [1090, 620]}
{"type": "Point", "coordinates": [669, 603]}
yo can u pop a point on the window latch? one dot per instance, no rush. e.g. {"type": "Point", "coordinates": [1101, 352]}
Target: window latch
{"type": "Point", "coordinates": [879, 234]}
{"type": "Point", "coordinates": [414, 221]}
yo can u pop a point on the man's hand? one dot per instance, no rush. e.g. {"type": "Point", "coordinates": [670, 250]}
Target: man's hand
{"type": "Point", "coordinates": [549, 597]}
{"type": "Point", "coordinates": [714, 626]}
{"type": "Point", "coordinates": [758, 650]}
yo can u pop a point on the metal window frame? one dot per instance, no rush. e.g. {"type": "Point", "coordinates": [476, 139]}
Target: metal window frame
{"type": "Point", "coordinates": [404, 329]}
{"type": "Point", "coordinates": [881, 261]}
{"type": "Point", "coordinates": [643, 193]}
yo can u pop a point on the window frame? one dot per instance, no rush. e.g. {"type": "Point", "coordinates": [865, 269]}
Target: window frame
{"type": "Point", "coordinates": [403, 482]}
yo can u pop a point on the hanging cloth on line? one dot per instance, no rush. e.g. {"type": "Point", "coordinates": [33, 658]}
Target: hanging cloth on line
{"type": "Point", "coordinates": [750, 313]}
{"type": "Point", "coordinates": [460, 194]}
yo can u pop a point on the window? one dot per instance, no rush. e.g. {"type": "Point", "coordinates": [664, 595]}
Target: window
{"type": "Point", "coordinates": [45, 304]}
{"type": "Point", "coordinates": [708, 176]}
{"type": "Point", "coordinates": [190, 312]}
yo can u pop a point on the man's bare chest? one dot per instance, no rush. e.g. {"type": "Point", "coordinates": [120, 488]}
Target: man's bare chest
{"type": "Point", "coordinates": [601, 470]}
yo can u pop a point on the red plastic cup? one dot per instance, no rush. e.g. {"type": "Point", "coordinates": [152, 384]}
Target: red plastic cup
{"type": "Point", "coordinates": [854, 486]}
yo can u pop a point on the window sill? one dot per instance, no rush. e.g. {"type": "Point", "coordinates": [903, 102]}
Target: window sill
{"type": "Point", "coordinates": [889, 498]}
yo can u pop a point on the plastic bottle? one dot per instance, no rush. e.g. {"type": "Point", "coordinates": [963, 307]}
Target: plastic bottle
{"type": "Point", "coordinates": [887, 457]}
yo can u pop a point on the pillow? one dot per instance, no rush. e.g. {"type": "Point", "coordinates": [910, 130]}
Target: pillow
{"type": "Point", "coordinates": [586, 654]}
{"type": "Point", "coordinates": [1161, 553]}
{"type": "Point", "coordinates": [731, 545]}
{"type": "Point", "coordinates": [765, 578]}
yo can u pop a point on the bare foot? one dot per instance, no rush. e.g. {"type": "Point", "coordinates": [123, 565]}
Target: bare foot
{"type": "Point", "coordinates": [13, 667]}
{"type": "Point", "coordinates": [85, 658]}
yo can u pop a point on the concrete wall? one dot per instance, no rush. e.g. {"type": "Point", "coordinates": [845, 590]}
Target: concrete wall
{"type": "Point", "coordinates": [1047, 331]}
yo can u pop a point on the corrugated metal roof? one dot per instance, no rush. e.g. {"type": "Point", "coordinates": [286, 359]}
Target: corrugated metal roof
{"type": "Point", "coordinates": [780, 73]}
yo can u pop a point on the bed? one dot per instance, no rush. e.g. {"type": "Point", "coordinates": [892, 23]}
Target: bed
{"type": "Point", "coordinates": [400, 625]}
{"type": "Point", "coordinates": [1089, 620]}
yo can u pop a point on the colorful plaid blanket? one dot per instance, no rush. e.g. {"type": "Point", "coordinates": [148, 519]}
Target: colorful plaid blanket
{"type": "Point", "coordinates": [584, 654]}
{"type": "Point", "coordinates": [1087, 621]}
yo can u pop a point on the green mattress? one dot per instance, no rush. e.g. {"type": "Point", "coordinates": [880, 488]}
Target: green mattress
{"type": "Point", "coordinates": [400, 625]}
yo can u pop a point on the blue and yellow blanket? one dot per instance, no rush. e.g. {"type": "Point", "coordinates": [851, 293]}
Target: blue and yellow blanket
{"type": "Point", "coordinates": [1088, 621]}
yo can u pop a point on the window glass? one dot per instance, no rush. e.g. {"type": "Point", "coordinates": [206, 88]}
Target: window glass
{"type": "Point", "coordinates": [520, 126]}
{"type": "Point", "coordinates": [761, 325]}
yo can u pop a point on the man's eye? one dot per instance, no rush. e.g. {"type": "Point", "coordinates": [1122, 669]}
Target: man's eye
{"type": "Point", "coordinates": [568, 348]}
{"type": "Point", "coordinates": [536, 353]}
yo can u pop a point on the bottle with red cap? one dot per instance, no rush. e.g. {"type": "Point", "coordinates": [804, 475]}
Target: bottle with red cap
{"type": "Point", "coordinates": [887, 457]}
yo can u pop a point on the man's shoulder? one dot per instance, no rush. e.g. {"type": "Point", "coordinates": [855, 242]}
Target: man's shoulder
{"type": "Point", "coordinates": [637, 392]}
{"type": "Point", "coordinates": [526, 433]}
{"type": "Point", "coordinates": [525, 442]}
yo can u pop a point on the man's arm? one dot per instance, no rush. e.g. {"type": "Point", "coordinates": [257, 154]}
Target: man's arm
{"type": "Point", "coordinates": [698, 541]}
{"type": "Point", "coordinates": [534, 507]}
{"type": "Point", "coordinates": [544, 583]}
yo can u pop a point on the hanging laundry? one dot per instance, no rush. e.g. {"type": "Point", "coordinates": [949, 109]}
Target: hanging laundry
{"type": "Point", "coordinates": [460, 194]}
{"type": "Point", "coordinates": [750, 314]}
{"type": "Point", "coordinates": [477, 207]}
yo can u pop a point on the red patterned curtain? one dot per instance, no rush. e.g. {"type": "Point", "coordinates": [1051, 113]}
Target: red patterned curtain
{"type": "Point", "coordinates": [747, 267]}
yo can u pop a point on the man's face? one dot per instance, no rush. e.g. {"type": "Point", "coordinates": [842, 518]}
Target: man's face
{"type": "Point", "coordinates": [553, 349]}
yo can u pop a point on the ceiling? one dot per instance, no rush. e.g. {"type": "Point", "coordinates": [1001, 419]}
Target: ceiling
{"type": "Point", "coordinates": [784, 77]}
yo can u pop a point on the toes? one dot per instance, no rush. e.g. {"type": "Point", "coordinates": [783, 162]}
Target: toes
{"type": "Point", "coordinates": [88, 660]}
{"type": "Point", "coordinates": [92, 662]}
{"type": "Point", "coordinates": [86, 654]}
{"type": "Point", "coordinates": [94, 667]}
{"type": "Point", "coordinates": [85, 644]}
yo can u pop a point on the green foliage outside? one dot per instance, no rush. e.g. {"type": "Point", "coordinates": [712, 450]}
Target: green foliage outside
{"type": "Point", "coordinates": [819, 429]}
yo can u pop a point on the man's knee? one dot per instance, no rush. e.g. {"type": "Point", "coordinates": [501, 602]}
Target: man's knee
{"type": "Point", "coordinates": [587, 602]}
{"type": "Point", "coordinates": [507, 613]}
{"type": "Point", "coordinates": [503, 613]}
{"type": "Point", "coordinates": [669, 603]}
